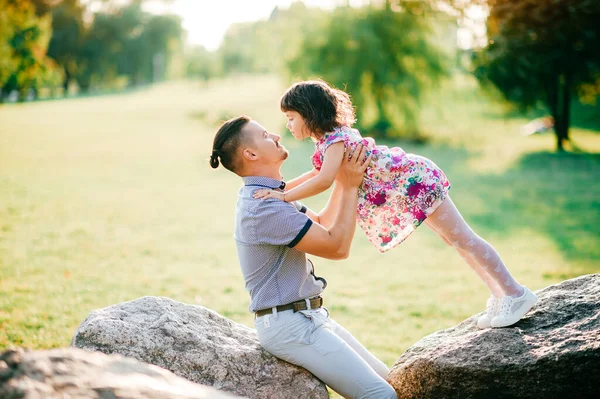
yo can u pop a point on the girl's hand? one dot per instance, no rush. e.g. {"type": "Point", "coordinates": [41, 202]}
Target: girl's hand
{"type": "Point", "coordinates": [266, 194]}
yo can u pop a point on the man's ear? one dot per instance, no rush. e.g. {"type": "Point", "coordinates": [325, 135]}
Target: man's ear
{"type": "Point", "coordinates": [249, 154]}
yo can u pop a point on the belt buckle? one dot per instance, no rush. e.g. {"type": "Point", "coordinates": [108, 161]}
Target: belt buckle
{"type": "Point", "coordinates": [320, 301]}
{"type": "Point", "coordinates": [298, 306]}
{"type": "Point", "coordinates": [306, 304]}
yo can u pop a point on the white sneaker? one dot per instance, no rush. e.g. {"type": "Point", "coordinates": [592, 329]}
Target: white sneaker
{"type": "Point", "coordinates": [491, 310]}
{"type": "Point", "coordinates": [512, 309]}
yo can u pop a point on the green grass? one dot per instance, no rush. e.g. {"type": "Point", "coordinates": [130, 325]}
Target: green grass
{"type": "Point", "coordinates": [106, 199]}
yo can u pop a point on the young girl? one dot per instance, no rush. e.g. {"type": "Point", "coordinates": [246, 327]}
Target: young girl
{"type": "Point", "coordinates": [399, 192]}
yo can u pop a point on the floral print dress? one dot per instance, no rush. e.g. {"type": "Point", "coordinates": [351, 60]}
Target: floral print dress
{"type": "Point", "coordinates": [399, 190]}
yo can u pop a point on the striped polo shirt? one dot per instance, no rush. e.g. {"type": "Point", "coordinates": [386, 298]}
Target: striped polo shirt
{"type": "Point", "coordinates": [266, 232]}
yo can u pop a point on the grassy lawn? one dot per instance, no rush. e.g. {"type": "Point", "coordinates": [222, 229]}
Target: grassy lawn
{"type": "Point", "coordinates": [106, 199]}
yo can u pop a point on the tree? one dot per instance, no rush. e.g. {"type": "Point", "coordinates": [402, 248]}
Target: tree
{"type": "Point", "coordinates": [24, 38]}
{"type": "Point", "coordinates": [265, 46]}
{"type": "Point", "coordinates": [541, 53]}
{"type": "Point", "coordinates": [201, 63]}
{"type": "Point", "coordinates": [382, 57]}
{"type": "Point", "coordinates": [162, 36]}
{"type": "Point", "coordinates": [100, 47]}
{"type": "Point", "coordinates": [127, 42]}
{"type": "Point", "coordinates": [8, 63]}
{"type": "Point", "coordinates": [67, 37]}
{"type": "Point", "coordinates": [43, 7]}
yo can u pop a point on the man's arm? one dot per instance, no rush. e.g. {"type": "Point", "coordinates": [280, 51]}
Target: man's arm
{"type": "Point", "coordinates": [327, 214]}
{"type": "Point", "coordinates": [333, 242]}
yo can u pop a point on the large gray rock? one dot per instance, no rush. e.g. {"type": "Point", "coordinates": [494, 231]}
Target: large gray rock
{"type": "Point", "coordinates": [554, 352]}
{"type": "Point", "coordinates": [198, 344]}
{"type": "Point", "coordinates": [74, 373]}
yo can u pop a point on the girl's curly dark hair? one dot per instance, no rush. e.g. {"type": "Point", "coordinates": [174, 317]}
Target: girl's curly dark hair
{"type": "Point", "coordinates": [323, 107]}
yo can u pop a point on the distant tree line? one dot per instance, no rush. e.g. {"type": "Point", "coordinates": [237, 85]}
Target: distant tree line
{"type": "Point", "coordinates": [385, 55]}
{"type": "Point", "coordinates": [540, 55]}
{"type": "Point", "coordinates": [54, 43]}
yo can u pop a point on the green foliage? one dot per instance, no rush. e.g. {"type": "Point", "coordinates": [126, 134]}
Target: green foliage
{"type": "Point", "coordinates": [24, 38]}
{"type": "Point", "coordinates": [118, 44]}
{"type": "Point", "coordinates": [385, 57]}
{"type": "Point", "coordinates": [201, 64]}
{"type": "Point", "coordinates": [149, 48]}
{"type": "Point", "coordinates": [128, 42]}
{"type": "Point", "coordinates": [382, 57]}
{"type": "Point", "coordinates": [8, 63]}
{"type": "Point", "coordinates": [67, 37]}
{"type": "Point", "coordinates": [543, 53]}
{"type": "Point", "coordinates": [265, 46]}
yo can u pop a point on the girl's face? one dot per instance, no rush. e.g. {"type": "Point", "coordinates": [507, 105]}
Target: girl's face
{"type": "Point", "coordinates": [296, 125]}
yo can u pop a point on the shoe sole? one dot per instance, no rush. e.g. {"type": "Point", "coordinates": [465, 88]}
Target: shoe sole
{"type": "Point", "coordinates": [485, 325]}
{"type": "Point", "coordinates": [527, 307]}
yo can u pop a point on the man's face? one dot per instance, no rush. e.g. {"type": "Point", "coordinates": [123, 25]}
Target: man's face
{"type": "Point", "coordinates": [296, 125]}
{"type": "Point", "coordinates": [264, 145]}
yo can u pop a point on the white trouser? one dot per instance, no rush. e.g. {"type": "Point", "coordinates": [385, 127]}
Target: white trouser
{"type": "Point", "coordinates": [310, 339]}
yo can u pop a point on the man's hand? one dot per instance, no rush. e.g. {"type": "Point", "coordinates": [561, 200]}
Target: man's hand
{"type": "Point", "coordinates": [265, 194]}
{"type": "Point", "coordinates": [352, 170]}
{"type": "Point", "coordinates": [332, 240]}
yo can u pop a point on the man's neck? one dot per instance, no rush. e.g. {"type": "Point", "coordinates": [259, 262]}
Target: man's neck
{"type": "Point", "coordinates": [264, 172]}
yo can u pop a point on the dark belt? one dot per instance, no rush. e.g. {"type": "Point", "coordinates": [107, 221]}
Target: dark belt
{"type": "Point", "coordinates": [315, 303]}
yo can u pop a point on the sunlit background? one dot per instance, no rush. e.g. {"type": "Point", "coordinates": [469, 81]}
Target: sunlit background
{"type": "Point", "coordinates": [108, 111]}
{"type": "Point", "coordinates": [206, 23]}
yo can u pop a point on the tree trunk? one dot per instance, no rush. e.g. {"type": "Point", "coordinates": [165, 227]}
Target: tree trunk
{"type": "Point", "coordinates": [559, 102]}
{"type": "Point", "coordinates": [22, 94]}
{"type": "Point", "coordinates": [84, 83]}
{"type": "Point", "coordinates": [66, 82]}
{"type": "Point", "coordinates": [563, 133]}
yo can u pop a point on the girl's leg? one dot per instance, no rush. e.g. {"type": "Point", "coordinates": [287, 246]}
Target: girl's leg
{"type": "Point", "coordinates": [487, 278]}
{"type": "Point", "coordinates": [449, 223]}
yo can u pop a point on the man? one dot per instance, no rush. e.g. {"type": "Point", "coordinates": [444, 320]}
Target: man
{"type": "Point", "coordinates": [273, 238]}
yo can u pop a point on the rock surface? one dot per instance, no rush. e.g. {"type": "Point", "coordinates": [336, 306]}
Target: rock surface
{"type": "Point", "coordinates": [553, 352]}
{"type": "Point", "coordinates": [74, 373]}
{"type": "Point", "coordinates": [198, 344]}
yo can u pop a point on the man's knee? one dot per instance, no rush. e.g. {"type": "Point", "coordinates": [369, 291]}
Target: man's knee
{"type": "Point", "coordinates": [382, 390]}
{"type": "Point", "coordinates": [388, 392]}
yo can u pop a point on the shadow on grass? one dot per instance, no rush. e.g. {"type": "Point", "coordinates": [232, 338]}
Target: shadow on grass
{"type": "Point", "coordinates": [557, 194]}
{"type": "Point", "coordinates": [583, 116]}
{"type": "Point", "coordinates": [586, 116]}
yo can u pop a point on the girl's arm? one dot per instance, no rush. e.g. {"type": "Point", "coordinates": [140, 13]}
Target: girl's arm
{"type": "Point", "coordinates": [315, 185]}
{"type": "Point", "coordinates": [324, 179]}
{"type": "Point", "coordinates": [327, 215]}
{"type": "Point", "coordinates": [295, 182]}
